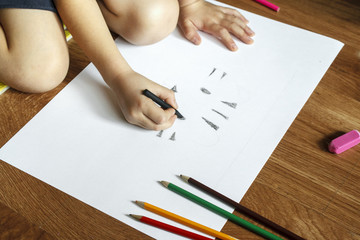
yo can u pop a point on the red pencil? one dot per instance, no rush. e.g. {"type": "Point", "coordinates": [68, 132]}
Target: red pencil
{"type": "Point", "coordinates": [170, 228]}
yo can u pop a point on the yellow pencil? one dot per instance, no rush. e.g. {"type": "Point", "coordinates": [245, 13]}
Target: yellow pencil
{"type": "Point", "coordinates": [184, 221]}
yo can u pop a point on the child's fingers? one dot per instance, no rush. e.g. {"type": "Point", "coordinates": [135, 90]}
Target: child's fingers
{"type": "Point", "coordinates": [165, 94]}
{"type": "Point", "coordinates": [156, 118]}
{"type": "Point", "coordinates": [168, 96]}
{"type": "Point", "coordinates": [235, 13]}
{"type": "Point", "coordinates": [240, 32]}
{"type": "Point", "coordinates": [153, 116]}
{"type": "Point", "coordinates": [223, 35]}
{"type": "Point", "coordinates": [148, 122]}
{"type": "Point", "coordinates": [233, 21]}
{"type": "Point", "coordinates": [190, 32]}
{"type": "Point", "coordinates": [147, 114]}
{"type": "Point", "coordinates": [226, 27]}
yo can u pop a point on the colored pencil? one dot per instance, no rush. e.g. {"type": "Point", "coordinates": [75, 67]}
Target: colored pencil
{"type": "Point", "coordinates": [222, 212]}
{"type": "Point", "coordinates": [269, 5]}
{"type": "Point", "coordinates": [242, 209]}
{"type": "Point", "coordinates": [169, 228]}
{"type": "Point", "coordinates": [184, 221]}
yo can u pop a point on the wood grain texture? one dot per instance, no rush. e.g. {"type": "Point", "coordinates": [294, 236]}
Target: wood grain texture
{"type": "Point", "coordinates": [14, 226]}
{"type": "Point", "coordinates": [302, 187]}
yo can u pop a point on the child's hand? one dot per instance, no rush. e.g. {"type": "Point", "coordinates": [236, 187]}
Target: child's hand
{"type": "Point", "coordinates": [218, 21]}
{"type": "Point", "coordinates": [139, 109]}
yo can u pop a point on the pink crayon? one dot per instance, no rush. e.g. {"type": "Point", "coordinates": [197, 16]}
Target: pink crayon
{"type": "Point", "coordinates": [269, 5]}
{"type": "Point", "coordinates": [344, 142]}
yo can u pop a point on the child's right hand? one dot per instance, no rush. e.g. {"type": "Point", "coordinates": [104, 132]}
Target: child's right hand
{"type": "Point", "coordinates": [139, 109]}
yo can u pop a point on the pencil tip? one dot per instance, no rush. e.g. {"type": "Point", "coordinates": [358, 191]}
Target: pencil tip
{"type": "Point", "coordinates": [137, 217]}
{"type": "Point", "coordinates": [140, 203]}
{"type": "Point", "coordinates": [165, 183]}
{"type": "Point", "coordinates": [185, 178]}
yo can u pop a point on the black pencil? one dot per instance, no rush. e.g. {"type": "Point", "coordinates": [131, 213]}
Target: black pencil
{"type": "Point", "coordinates": [242, 209]}
{"type": "Point", "coordinates": [162, 103]}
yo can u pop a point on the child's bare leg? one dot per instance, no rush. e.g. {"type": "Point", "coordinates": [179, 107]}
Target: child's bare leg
{"type": "Point", "coordinates": [33, 50]}
{"type": "Point", "coordinates": [141, 22]}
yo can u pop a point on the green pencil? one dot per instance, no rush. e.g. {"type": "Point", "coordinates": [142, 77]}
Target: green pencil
{"type": "Point", "coordinates": [221, 211]}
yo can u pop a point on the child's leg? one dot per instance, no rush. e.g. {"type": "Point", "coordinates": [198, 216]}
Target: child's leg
{"type": "Point", "coordinates": [33, 50]}
{"type": "Point", "coordinates": [141, 21]}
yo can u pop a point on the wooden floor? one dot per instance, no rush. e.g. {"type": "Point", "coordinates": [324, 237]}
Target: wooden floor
{"type": "Point", "coordinates": [302, 187]}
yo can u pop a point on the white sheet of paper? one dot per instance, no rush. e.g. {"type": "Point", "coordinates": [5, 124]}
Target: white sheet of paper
{"type": "Point", "coordinates": [80, 144]}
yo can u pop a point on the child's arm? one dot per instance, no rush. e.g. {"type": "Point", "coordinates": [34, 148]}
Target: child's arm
{"type": "Point", "coordinates": [87, 25]}
{"type": "Point", "coordinates": [218, 21]}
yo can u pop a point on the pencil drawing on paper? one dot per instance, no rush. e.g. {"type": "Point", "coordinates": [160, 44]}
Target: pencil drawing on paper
{"type": "Point", "coordinates": [212, 72]}
{"type": "Point", "coordinates": [226, 117]}
{"type": "Point", "coordinates": [172, 138]}
{"type": "Point", "coordinates": [204, 90]}
{"type": "Point", "coordinates": [214, 126]}
{"type": "Point", "coordinates": [215, 74]}
{"type": "Point", "coordinates": [218, 74]}
{"type": "Point", "coordinates": [233, 105]}
{"type": "Point", "coordinates": [160, 133]}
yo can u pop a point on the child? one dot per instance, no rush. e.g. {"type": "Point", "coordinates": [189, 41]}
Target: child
{"type": "Point", "coordinates": [34, 56]}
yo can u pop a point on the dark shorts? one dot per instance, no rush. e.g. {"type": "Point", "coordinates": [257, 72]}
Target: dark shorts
{"type": "Point", "coordinates": [29, 4]}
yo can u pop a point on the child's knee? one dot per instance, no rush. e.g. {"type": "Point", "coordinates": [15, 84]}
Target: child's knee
{"type": "Point", "coordinates": [38, 74]}
{"type": "Point", "coordinates": [153, 22]}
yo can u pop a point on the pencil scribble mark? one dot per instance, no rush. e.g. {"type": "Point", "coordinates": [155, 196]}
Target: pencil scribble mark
{"type": "Point", "coordinates": [233, 105]}
{"type": "Point", "coordinates": [212, 72]}
{"type": "Point", "coordinates": [223, 75]}
{"type": "Point", "coordinates": [174, 88]}
{"type": "Point", "coordinates": [172, 138]}
{"type": "Point", "coordinates": [204, 90]}
{"type": "Point", "coordinates": [226, 117]}
{"type": "Point", "coordinates": [211, 124]}
{"type": "Point", "coordinates": [160, 133]}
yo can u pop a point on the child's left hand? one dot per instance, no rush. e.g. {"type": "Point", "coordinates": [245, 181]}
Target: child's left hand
{"type": "Point", "coordinates": [218, 21]}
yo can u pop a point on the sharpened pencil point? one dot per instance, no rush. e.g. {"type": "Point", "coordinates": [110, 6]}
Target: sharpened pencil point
{"type": "Point", "coordinates": [165, 183]}
{"type": "Point", "coordinates": [137, 217]}
{"type": "Point", "coordinates": [140, 203]}
{"type": "Point", "coordinates": [185, 178]}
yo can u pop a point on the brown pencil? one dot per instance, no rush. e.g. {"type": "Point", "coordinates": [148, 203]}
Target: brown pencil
{"type": "Point", "coordinates": [242, 209]}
